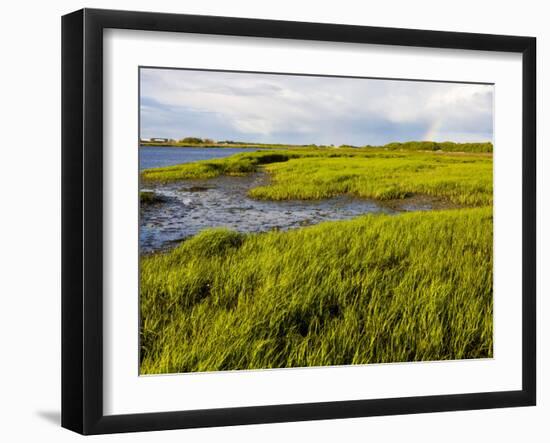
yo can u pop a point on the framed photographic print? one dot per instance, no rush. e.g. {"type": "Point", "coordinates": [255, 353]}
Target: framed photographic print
{"type": "Point", "coordinates": [269, 221]}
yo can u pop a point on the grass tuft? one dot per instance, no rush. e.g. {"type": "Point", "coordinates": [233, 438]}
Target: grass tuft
{"type": "Point", "coordinates": [149, 197]}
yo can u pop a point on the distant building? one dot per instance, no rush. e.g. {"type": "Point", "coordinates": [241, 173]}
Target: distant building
{"type": "Point", "coordinates": [159, 139]}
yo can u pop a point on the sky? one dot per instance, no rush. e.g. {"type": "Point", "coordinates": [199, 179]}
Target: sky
{"type": "Point", "coordinates": [271, 108]}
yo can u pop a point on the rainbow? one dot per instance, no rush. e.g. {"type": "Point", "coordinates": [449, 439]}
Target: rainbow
{"type": "Point", "coordinates": [432, 131]}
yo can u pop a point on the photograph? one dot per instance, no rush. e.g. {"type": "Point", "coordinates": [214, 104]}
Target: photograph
{"type": "Point", "coordinates": [304, 220]}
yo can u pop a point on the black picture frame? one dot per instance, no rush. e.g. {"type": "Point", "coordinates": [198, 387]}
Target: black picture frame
{"type": "Point", "coordinates": [82, 218]}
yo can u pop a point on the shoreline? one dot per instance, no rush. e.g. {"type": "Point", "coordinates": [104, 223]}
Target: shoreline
{"type": "Point", "coordinates": [213, 146]}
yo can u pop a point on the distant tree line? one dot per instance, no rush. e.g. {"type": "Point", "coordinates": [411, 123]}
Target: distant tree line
{"type": "Point", "coordinates": [404, 146]}
{"type": "Point", "coordinates": [196, 141]}
{"type": "Point", "coordinates": [233, 142]}
{"type": "Point", "coordinates": [437, 146]}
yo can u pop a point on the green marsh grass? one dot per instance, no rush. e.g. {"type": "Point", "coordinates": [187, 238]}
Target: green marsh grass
{"type": "Point", "coordinates": [376, 289]}
{"type": "Point", "coordinates": [149, 197]}
{"type": "Point", "coordinates": [237, 164]}
{"type": "Point", "coordinates": [461, 180]}
{"type": "Point", "coordinates": [322, 173]}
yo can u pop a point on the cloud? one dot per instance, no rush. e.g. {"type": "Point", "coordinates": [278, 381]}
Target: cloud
{"type": "Point", "coordinates": [309, 109]}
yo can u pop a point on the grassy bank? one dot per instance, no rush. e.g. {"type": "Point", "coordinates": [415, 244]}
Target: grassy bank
{"type": "Point", "coordinates": [412, 287]}
{"type": "Point", "coordinates": [460, 180]}
{"type": "Point", "coordinates": [237, 164]}
{"type": "Point", "coordinates": [320, 173]}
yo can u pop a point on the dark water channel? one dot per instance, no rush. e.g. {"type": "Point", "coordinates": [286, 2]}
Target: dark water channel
{"type": "Point", "coordinates": [190, 206]}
